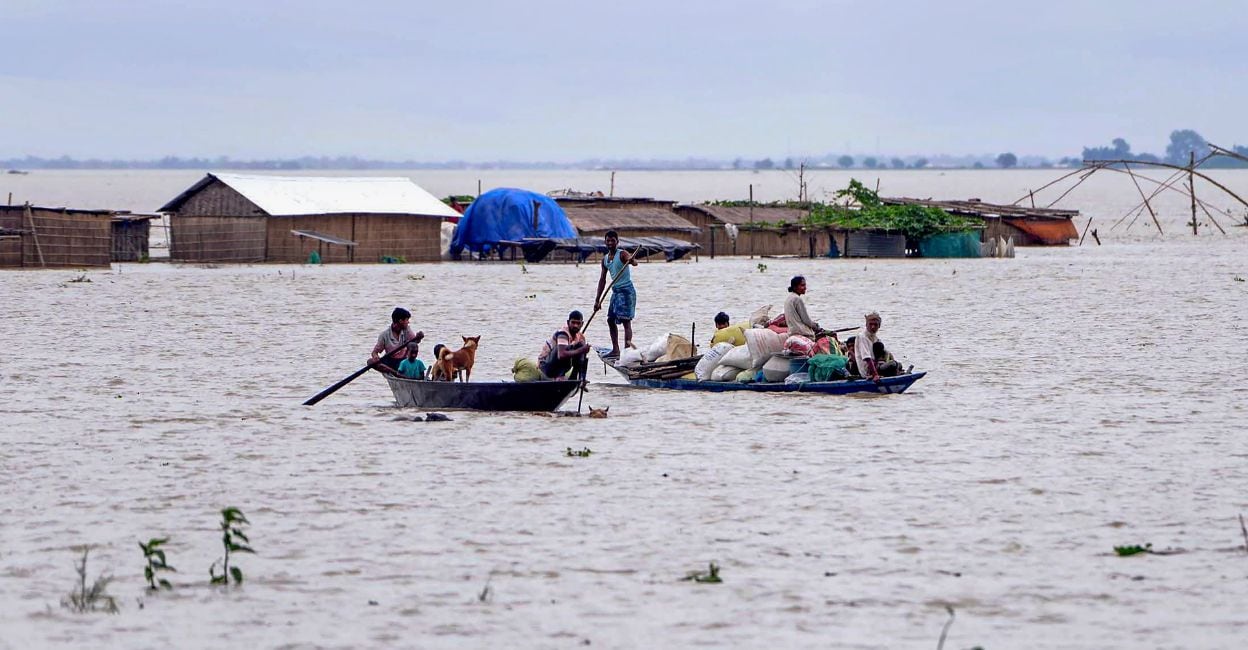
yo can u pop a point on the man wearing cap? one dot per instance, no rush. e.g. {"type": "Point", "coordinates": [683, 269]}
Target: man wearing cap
{"type": "Point", "coordinates": [564, 350]}
{"type": "Point", "coordinates": [392, 344]}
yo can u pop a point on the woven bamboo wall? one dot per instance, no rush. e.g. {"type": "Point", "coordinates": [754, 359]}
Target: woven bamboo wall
{"type": "Point", "coordinates": [285, 247]}
{"type": "Point", "coordinates": [130, 239]}
{"type": "Point", "coordinates": [217, 239]}
{"type": "Point", "coordinates": [217, 224]}
{"type": "Point", "coordinates": [57, 238]}
{"type": "Point", "coordinates": [412, 238]}
{"type": "Point", "coordinates": [10, 252]}
{"type": "Point", "coordinates": [218, 200]}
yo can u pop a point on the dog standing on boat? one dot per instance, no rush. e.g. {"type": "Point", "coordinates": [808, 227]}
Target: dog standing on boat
{"type": "Point", "coordinates": [448, 362]}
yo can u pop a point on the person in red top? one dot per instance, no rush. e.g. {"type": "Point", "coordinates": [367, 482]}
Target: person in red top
{"type": "Point", "coordinates": [392, 344]}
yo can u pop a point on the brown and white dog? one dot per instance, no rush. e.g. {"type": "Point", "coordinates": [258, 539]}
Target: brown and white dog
{"type": "Point", "coordinates": [448, 362]}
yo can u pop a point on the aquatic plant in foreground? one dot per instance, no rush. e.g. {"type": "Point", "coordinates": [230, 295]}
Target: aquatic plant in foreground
{"type": "Point", "coordinates": [232, 521]}
{"type": "Point", "coordinates": [91, 599]}
{"type": "Point", "coordinates": [710, 577]}
{"type": "Point", "coordinates": [155, 558]}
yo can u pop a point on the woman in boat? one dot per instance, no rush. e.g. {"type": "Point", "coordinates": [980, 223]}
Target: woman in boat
{"type": "Point", "coordinates": [799, 322]}
{"type": "Point", "coordinates": [797, 319]}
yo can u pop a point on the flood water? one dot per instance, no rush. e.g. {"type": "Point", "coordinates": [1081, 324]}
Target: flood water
{"type": "Point", "coordinates": [1077, 399]}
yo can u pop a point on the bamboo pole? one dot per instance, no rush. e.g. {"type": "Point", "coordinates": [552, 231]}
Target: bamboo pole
{"type": "Point", "coordinates": [1085, 230]}
{"type": "Point", "coordinates": [1146, 203]}
{"type": "Point", "coordinates": [1191, 185]}
{"type": "Point", "coordinates": [30, 216]}
{"type": "Point", "coordinates": [751, 221]}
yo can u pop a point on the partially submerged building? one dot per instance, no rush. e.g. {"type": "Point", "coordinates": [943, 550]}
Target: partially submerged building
{"type": "Point", "coordinates": [1026, 226]}
{"type": "Point", "coordinates": [41, 237]}
{"type": "Point", "coordinates": [630, 217]}
{"type": "Point", "coordinates": [761, 230]}
{"type": "Point", "coordinates": [256, 218]}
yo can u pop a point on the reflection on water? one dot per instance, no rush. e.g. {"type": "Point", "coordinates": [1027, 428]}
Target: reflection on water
{"type": "Point", "coordinates": [1077, 399]}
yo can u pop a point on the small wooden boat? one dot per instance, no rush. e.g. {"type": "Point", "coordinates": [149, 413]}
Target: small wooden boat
{"type": "Point", "coordinates": [885, 385]}
{"type": "Point", "coordinates": [481, 396]}
{"type": "Point", "coordinates": [667, 375]}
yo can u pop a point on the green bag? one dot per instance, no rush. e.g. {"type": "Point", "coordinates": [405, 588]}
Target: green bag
{"type": "Point", "coordinates": [525, 370]}
{"type": "Point", "coordinates": [826, 367]}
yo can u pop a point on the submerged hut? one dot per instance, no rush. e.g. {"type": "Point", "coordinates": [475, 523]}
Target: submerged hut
{"type": "Point", "coordinates": [1027, 226]}
{"type": "Point", "coordinates": [38, 237]}
{"type": "Point", "coordinates": [630, 217]}
{"type": "Point", "coordinates": [764, 230]}
{"type": "Point", "coordinates": [131, 235]}
{"type": "Point", "coordinates": [253, 218]}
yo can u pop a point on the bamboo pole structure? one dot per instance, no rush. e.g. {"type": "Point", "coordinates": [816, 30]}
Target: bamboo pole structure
{"type": "Point", "coordinates": [1191, 185]}
{"type": "Point", "coordinates": [1146, 203]}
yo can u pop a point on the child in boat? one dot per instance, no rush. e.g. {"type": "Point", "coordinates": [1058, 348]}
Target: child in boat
{"type": "Point", "coordinates": [411, 367]}
{"type": "Point", "coordinates": [724, 332]}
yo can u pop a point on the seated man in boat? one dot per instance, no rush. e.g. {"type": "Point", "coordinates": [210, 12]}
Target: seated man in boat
{"type": "Point", "coordinates": [411, 367]}
{"type": "Point", "coordinates": [391, 347]}
{"type": "Point", "coordinates": [565, 350]}
{"type": "Point", "coordinates": [871, 366]}
{"type": "Point", "coordinates": [724, 332]}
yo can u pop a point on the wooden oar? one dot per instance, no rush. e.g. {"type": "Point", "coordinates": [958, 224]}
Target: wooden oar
{"type": "Point", "coordinates": [352, 377]}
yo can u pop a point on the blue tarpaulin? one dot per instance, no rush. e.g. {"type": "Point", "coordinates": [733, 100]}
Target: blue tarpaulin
{"type": "Point", "coordinates": [508, 214]}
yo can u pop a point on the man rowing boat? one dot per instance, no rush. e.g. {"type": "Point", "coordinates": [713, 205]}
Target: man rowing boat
{"type": "Point", "coordinates": [623, 295]}
{"type": "Point", "coordinates": [392, 344]}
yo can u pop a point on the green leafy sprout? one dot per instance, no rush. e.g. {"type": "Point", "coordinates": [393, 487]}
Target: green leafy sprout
{"type": "Point", "coordinates": [232, 522]}
{"type": "Point", "coordinates": [583, 453]}
{"type": "Point", "coordinates": [711, 576]}
{"type": "Point", "coordinates": [155, 557]}
{"type": "Point", "coordinates": [1133, 549]}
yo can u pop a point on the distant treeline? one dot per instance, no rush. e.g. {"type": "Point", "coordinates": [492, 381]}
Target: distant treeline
{"type": "Point", "coordinates": [1177, 153]}
{"type": "Point", "coordinates": [1183, 143]}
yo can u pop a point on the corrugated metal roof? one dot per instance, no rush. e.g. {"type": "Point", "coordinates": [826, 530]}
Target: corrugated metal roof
{"type": "Point", "coordinates": [741, 215]}
{"type": "Point", "coordinates": [635, 218]}
{"type": "Point", "coordinates": [287, 196]}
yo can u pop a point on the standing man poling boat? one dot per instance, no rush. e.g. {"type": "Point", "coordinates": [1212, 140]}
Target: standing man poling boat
{"type": "Point", "coordinates": [623, 306]}
{"type": "Point", "coordinates": [393, 342]}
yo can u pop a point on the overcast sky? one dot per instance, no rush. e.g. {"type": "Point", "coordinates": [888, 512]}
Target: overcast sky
{"type": "Point", "coordinates": [562, 81]}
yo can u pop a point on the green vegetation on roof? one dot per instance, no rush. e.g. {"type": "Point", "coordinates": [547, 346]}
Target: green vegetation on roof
{"type": "Point", "coordinates": [914, 221]}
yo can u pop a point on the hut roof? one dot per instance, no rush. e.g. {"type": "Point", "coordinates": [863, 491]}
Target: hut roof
{"type": "Point", "coordinates": [632, 218]}
{"type": "Point", "coordinates": [114, 214]}
{"type": "Point", "coordinates": [977, 208]}
{"type": "Point", "coordinates": [741, 215]}
{"type": "Point", "coordinates": [287, 196]}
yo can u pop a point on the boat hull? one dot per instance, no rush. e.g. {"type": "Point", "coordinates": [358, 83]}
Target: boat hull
{"type": "Point", "coordinates": [886, 385]}
{"type": "Point", "coordinates": [481, 396]}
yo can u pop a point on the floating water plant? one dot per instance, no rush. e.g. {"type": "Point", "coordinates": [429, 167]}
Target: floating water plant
{"type": "Point", "coordinates": [155, 558]}
{"type": "Point", "coordinates": [762, 268]}
{"type": "Point", "coordinates": [1133, 549]}
{"type": "Point", "coordinates": [81, 278]}
{"type": "Point", "coordinates": [232, 521]}
{"type": "Point", "coordinates": [584, 453]}
{"type": "Point", "coordinates": [711, 576]}
{"type": "Point", "coordinates": [95, 598]}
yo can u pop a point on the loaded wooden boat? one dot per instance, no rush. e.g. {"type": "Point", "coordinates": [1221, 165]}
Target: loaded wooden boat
{"type": "Point", "coordinates": [481, 396]}
{"type": "Point", "coordinates": [668, 375]}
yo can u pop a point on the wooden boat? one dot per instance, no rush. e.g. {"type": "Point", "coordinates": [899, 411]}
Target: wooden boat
{"type": "Point", "coordinates": [667, 375]}
{"type": "Point", "coordinates": [886, 385]}
{"type": "Point", "coordinates": [481, 396]}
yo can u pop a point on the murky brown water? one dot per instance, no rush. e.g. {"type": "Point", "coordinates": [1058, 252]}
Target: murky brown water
{"type": "Point", "coordinates": [1077, 399]}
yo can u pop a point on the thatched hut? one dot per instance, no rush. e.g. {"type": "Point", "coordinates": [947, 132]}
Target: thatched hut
{"type": "Point", "coordinates": [251, 218]}
{"type": "Point", "coordinates": [39, 237]}
{"type": "Point", "coordinates": [630, 217]}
